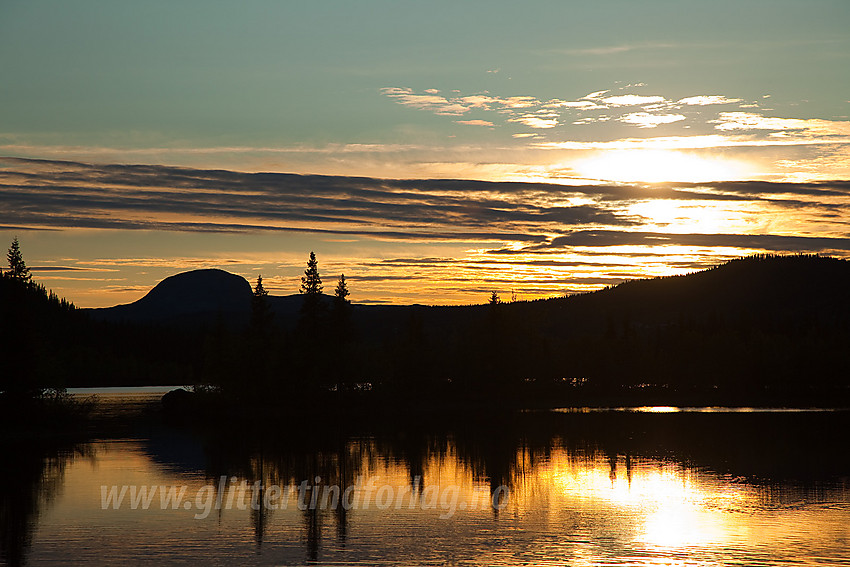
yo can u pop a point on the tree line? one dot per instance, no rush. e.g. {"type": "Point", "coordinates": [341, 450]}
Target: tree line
{"type": "Point", "coordinates": [35, 325]}
{"type": "Point", "coordinates": [755, 328]}
{"type": "Point", "coordinates": [313, 358]}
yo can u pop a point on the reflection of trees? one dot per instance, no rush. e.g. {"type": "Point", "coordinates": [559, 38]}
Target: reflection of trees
{"type": "Point", "coordinates": [277, 459]}
{"type": "Point", "coordinates": [509, 450]}
{"type": "Point", "coordinates": [489, 452]}
{"type": "Point", "coordinates": [29, 483]}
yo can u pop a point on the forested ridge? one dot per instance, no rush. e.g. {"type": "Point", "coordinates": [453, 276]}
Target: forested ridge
{"type": "Point", "coordinates": [762, 328]}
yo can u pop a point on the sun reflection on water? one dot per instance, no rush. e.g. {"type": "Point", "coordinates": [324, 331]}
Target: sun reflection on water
{"type": "Point", "coordinates": [568, 503]}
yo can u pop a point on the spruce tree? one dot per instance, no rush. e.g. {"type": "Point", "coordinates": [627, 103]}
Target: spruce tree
{"type": "Point", "coordinates": [261, 315]}
{"type": "Point", "coordinates": [341, 292]}
{"type": "Point", "coordinates": [312, 365]}
{"type": "Point", "coordinates": [261, 355]}
{"type": "Point", "coordinates": [341, 332]}
{"type": "Point", "coordinates": [341, 309]}
{"type": "Point", "coordinates": [18, 269]}
{"type": "Point", "coordinates": [311, 289]}
{"type": "Point", "coordinates": [311, 281]}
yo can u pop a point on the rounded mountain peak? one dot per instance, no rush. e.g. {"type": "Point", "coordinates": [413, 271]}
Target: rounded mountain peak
{"type": "Point", "coordinates": [197, 291]}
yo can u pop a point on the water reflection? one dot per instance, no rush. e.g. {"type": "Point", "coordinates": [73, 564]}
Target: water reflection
{"type": "Point", "coordinates": [584, 489]}
{"type": "Point", "coordinates": [30, 482]}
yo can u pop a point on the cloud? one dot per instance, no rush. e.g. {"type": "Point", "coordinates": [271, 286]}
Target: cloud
{"type": "Point", "coordinates": [601, 111]}
{"type": "Point", "coordinates": [632, 100]}
{"type": "Point", "coordinates": [592, 120]}
{"type": "Point", "coordinates": [437, 104]}
{"type": "Point", "coordinates": [728, 121]}
{"type": "Point", "coordinates": [474, 122]}
{"type": "Point", "coordinates": [455, 106]}
{"type": "Point", "coordinates": [578, 104]}
{"type": "Point", "coordinates": [76, 195]}
{"type": "Point", "coordinates": [535, 121]}
{"type": "Point", "coordinates": [537, 238]}
{"type": "Point", "coordinates": [684, 142]}
{"type": "Point", "coordinates": [646, 120]}
{"type": "Point", "coordinates": [704, 100]}
{"type": "Point", "coordinates": [60, 269]}
{"type": "Point", "coordinates": [542, 216]}
{"type": "Point", "coordinates": [478, 101]}
{"type": "Point", "coordinates": [519, 102]}
{"type": "Point", "coordinates": [771, 242]}
{"type": "Point", "coordinates": [616, 49]}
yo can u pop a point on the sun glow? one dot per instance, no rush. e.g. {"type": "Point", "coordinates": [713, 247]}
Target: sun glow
{"type": "Point", "coordinates": [683, 216]}
{"type": "Point", "coordinates": [657, 166]}
{"type": "Point", "coordinates": [672, 508]}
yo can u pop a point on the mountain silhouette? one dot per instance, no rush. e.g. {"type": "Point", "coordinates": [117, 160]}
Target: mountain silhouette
{"type": "Point", "coordinates": [752, 329]}
{"type": "Point", "coordinates": [192, 296]}
{"type": "Point", "coordinates": [765, 284]}
{"type": "Point", "coordinates": [198, 297]}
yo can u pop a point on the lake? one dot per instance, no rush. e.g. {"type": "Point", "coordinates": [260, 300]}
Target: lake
{"type": "Point", "coordinates": [602, 486]}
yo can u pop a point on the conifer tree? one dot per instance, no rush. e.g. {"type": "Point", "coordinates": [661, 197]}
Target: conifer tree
{"type": "Point", "coordinates": [311, 281]}
{"type": "Point", "coordinates": [259, 290]}
{"type": "Point", "coordinates": [312, 366]}
{"type": "Point", "coordinates": [311, 290]}
{"type": "Point", "coordinates": [341, 309]}
{"type": "Point", "coordinates": [341, 292]}
{"type": "Point", "coordinates": [260, 314]}
{"type": "Point", "coordinates": [341, 332]}
{"type": "Point", "coordinates": [18, 269]}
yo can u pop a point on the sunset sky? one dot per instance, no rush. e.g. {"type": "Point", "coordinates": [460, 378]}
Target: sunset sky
{"type": "Point", "coordinates": [432, 151]}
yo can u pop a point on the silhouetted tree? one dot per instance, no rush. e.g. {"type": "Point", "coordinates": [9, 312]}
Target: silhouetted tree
{"type": "Point", "coordinates": [261, 315]}
{"type": "Point", "coordinates": [309, 332]}
{"type": "Point", "coordinates": [341, 292]}
{"type": "Point", "coordinates": [18, 342]}
{"type": "Point", "coordinates": [259, 349]}
{"type": "Point", "coordinates": [341, 310]}
{"type": "Point", "coordinates": [18, 269]}
{"type": "Point", "coordinates": [494, 298]}
{"type": "Point", "coordinates": [311, 290]}
{"type": "Point", "coordinates": [342, 334]}
{"type": "Point", "coordinates": [311, 281]}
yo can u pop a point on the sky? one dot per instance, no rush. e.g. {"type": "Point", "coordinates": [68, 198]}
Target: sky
{"type": "Point", "coordinates": [431, 151]}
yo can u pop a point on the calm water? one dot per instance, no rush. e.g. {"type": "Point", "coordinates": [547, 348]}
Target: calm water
{"type": "Point", "coordinates": [616, 487]}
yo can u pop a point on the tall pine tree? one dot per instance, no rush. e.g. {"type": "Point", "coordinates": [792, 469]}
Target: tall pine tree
{"type": "Point", "coordinates": [341, 332]}
{"type": "Point", "coordinates": [311, 290]}
{"type": "Point", "coordinates": [310, 330]}
{"type": "Point", "coordinates": [261, 315]}
{"type": "Point", "coordinates": [311, 281]}
{"type": "Point", "coordinates": [341, 292]}
{"type": "Point", "coordinates": [18, 269]}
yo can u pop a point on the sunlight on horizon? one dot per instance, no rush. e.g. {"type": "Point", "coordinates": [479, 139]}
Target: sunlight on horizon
{"type": "Point", "coordinates": [690, 216]}
{"type": "Point", "coordinates": [653, 166]}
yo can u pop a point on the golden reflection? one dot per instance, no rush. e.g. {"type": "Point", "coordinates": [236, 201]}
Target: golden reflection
{"type": "Point", "coordinates": [586, 507]}
{"type": "Point", "coordinates": [657, 409]}
{"type": "Point", "coordinates": [658, 505]}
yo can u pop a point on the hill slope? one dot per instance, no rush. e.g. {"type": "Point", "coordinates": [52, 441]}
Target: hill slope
{"type": "Point", "coordinates": [754, 326]}
{"type": "Point", "coordinates": [186, 297]}
{"type": "Point", "coordinates": [773, 286]}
